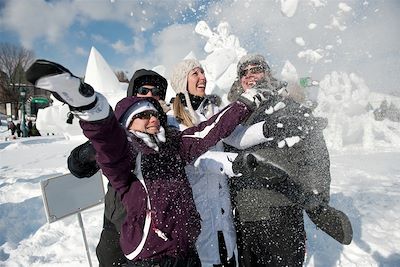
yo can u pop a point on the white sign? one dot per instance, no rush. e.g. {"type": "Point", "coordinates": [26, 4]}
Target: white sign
{"type": "Point", "coordinates": [8, 109]}
{"type": "Point", "coordinates": [66, 195]}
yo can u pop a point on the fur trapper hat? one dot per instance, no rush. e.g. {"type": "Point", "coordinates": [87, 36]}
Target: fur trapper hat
{"type": "Point", "coordinates": [254, 59]}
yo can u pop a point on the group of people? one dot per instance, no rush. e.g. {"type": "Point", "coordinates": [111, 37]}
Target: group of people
{"type": "Point", "coordinates": [17, 128]}
{"type": "Point", "coordinates": [170, 200]}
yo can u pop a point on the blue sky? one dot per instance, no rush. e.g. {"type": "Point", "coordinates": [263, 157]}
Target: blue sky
{"type": "Point", "coordinates": [361, 37]}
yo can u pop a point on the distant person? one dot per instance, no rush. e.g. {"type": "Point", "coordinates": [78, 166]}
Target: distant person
{"type": "Point", "coordinates": [29, 125]}
{"type": "Point", "coordinates": [162, 223]}
{"type": "Point", "coordinates": [35, 131]}
{"type": "Point", "coordinates": [18, 129]}
{"type": "Point", "coordinates": [12, 127]}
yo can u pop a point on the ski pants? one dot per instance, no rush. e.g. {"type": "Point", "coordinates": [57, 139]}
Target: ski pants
{"type": "Point", "coordinates": [108, 250]}
{"type": "Point", "coordinates": [277, 241]}
{"type": "Point", "coordinates": [167, 261]}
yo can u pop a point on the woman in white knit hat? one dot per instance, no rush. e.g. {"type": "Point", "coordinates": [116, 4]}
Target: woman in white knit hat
{"type": "Point", "coordinates": [210, 190]}
{"type": "Point", "coordinates": [216, 244]}
{"type": "Point", "coordinates": [191, 105]}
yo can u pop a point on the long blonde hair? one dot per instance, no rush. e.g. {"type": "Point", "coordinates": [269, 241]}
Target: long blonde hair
{"type": "Point", "coordinates": [181, 113]}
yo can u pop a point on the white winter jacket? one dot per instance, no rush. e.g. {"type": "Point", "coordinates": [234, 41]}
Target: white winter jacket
{"type": "Point", "coordinates": [208, 178]}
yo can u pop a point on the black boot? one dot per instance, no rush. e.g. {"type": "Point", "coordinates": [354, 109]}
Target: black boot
{"type": "Point", "coordinates": [333, 222]}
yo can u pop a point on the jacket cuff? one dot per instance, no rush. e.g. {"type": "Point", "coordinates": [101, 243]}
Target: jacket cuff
{"type": "Point", "coordinates": [100, 111]}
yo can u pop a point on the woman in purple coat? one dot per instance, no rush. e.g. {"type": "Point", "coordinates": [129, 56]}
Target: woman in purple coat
{"type": "Point", "coordinates": [162, 223]}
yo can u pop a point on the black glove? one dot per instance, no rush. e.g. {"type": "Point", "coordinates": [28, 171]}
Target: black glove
{"type": "Point", "coordinates": [82, 161]}
{"type": "Point", "coordinates": [249, 165]}
{"type": "Point", "coordinates": [283, 127]}
{"type": "Point", "coordinates": [292, 125]}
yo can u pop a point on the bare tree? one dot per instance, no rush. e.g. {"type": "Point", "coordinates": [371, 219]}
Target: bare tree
{"type": "Point", "coordinates": [122, 76]}
{"type": "Point", "coordinates": [14, 60]}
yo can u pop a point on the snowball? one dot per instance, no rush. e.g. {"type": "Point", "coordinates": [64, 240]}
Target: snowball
{"type": "Point", "coordinates": [269, 110]}
{"type": "Point", "coordinates": [291, 141]}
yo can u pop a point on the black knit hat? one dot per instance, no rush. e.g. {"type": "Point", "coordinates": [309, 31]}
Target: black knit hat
{"type": "Point", "coordinates": [142, 77]}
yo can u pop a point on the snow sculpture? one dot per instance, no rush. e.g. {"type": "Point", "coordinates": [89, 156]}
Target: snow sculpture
{"type": "Point", "coordinates": [52, 121]}
{"type": "Point", "coordinates": [343, 99]}
{"type": "Point", "coordinates": [224, 53]}
{"type": "Point", "coordinates": [100, 76]}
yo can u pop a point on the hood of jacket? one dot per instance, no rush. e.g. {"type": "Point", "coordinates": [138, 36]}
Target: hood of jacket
{"type": "Point", "coordinates": [143, 76]}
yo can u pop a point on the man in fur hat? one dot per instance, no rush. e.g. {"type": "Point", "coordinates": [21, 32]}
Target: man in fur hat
{"type": "Point", "coordinates": [270, 215]}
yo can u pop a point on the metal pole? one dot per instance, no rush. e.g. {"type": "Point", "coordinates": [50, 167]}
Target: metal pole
{"type": "Point", "coordinates": [84, 238]}
{"type": "Point", "coordinates": [23, 122]}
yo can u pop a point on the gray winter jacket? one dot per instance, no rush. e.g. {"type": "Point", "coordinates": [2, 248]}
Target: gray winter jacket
{"type": "Point", "coordinates": [304, 164]}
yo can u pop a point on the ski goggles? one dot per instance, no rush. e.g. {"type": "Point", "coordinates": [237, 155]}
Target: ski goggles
{"type": "Point", "coordinates": [252, 70]}
{"type": "Point", "coordinates": [146, 115]}
{"type": "Point", "coordinates": [155, 91]}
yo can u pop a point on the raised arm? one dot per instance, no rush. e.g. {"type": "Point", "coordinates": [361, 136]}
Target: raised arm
{"type": "Point", "coordinates": [96, 119]}
{"type": "Point", "coordinates": [245, 136]}
{"type": "Point", "coordinates": [198, 139]}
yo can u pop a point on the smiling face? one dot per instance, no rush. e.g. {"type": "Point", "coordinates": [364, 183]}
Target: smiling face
{"type": "Point", "coordinates": [197, 82]}
{"type": "Point", "coordinates": [251, 75]}
{"type": "Point", "coordinates": [145, 122]}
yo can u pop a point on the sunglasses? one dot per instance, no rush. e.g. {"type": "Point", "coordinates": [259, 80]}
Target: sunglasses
{"type": "Point", "coordinates": [146, 115]}
{"type": "Point", "coordinates": [252, 70]}
{"type": "Point", "coordinates": [155, 91]}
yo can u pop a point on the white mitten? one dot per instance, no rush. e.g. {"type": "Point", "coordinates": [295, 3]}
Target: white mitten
{"type": "Point", "coordinates": [99, 111]}
{"type": "Point", "coordinates": [252, 98]}
{"type": "Point", "coordinates": [65, 86]}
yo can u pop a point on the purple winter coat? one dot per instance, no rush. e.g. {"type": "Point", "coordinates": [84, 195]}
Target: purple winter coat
{"type": "Point", "coordinates": [173, 212]}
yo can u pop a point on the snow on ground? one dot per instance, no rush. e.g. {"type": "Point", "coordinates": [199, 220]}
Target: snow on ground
{"type": "Point", "coordinates": [365, 185]}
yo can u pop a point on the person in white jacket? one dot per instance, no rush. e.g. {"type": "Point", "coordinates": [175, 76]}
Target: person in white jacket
{"type": "Point", "coordinates": [216, 244]}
